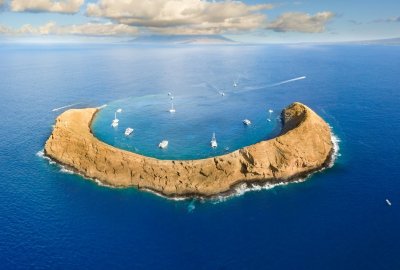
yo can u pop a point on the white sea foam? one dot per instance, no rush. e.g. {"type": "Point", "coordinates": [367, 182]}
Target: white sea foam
{"type": "Point", "coordinates": [97, 181]}
{"type": "Point", "coordinates": [243, 188]}
{"type": "Point", "coordinates": [176, 198]}
{"type": "Point", "coordinates": [191, 206]}
{"type": "Point", "coordinates": [237, 191]}
{"type": "Point", "coordinates": [336, 147]}
{"type": "Point", "coordinates": [42, 155]}
{"type": "Point", "coordinates": [65, 170]}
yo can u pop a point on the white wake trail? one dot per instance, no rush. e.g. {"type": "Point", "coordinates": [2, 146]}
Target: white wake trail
{"type": "Point", "coordinates": [63, 107]}
{"type": "Point", "coordinates": [288, 81]}
{"type": "Point", "coordinates": [260, 87]}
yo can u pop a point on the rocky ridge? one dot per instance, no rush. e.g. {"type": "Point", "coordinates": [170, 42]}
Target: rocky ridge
{"type": "Point", "coordinates": [303, 146]}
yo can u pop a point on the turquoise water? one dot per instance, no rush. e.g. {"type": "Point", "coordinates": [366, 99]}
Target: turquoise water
{"type": "Point", "coordinates": [337, 219]}
{"type": "Point", "coordinates": [190, 128]}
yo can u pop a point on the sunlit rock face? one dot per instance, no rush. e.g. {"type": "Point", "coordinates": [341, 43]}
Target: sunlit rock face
{"type": "Point", "coordinates": [303, 146]}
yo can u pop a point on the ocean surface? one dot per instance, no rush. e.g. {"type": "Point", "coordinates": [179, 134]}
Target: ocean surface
{"type": "Point", "coordinates": [337, 219]}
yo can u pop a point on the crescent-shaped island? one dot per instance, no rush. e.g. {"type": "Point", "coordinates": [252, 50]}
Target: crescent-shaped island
{"type": "Point", "coordinates": [303, 146]}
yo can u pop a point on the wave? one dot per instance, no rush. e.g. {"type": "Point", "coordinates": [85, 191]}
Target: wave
{"type": "Point", "coordinates": [65, 170]}
{"type": "Point", "coordinates": [244, 188]}
{"type": "Point", "coordinates": [237, 191]}
{"type": "Point", "coordinates": [42, 155]}
{"type": "Point", "coordinates": [68, 170]}
{"type": "Point", "coordinates": [336, 147]}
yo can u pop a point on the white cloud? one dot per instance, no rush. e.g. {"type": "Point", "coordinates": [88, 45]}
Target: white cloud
{"type": "Point", "coordinates": [391, 19]}
{"type": "Point", "coordinates": [394, 19]}
{"type": "Point", "coordinates": [4, 29]}
{"type": "Point", "coordinates": [88, 29]}
{"type": "Point", "coordinates": [182, 16]}
{"type": "Point", "coordinates": [301, 22]}
{"type": "Point", "coordinates": [61, 6]}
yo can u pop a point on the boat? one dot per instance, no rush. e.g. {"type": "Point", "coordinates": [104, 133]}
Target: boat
{"type": "Point", "coordinates": [221, 93]}
{"type": "Point", "coordinates": [388, 202]}
{"type": "Point", "coordinates": [115, 121]}
{"type": "Point", "coordinates": [234, 84]}
{"type": "Point", "coordinates": [270, 114]}
{"type": "Point", "coordinates": [169, 93]}
{"type": "Point", "coordinates": [119, 110]}
{"type": "Point", "coordinates": [163, 144]}
{"type": "Point", "coordinates": [128, 131]}
{"type": "Point", "coordinates": [247, 122]}
{"type": "Point", "coordinates": [213, 141]}
{"type": "Point", "coordinates": [172, 110]}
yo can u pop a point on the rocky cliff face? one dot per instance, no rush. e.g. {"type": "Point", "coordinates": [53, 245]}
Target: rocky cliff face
{"type": "Point", "coordinates": [304, 146]}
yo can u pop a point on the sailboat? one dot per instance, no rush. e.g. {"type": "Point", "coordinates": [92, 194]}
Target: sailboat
{"type": "Point", "coordinates": [172, 110]}
{"type": "Point", "coordinates": [115, 120]}
{"type": "Point", "coordinates": [247, 122]}
{"type": "Point", "coordinates": [388, 202]}
{"type": "Point", "coordinates": [213, 141]}
{"type": "Point", "coordinates": [270, 114]}
{"type": "Point", "coordinates": [163, 144]}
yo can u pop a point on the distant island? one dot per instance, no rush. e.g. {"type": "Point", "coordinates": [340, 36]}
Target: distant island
{"type": "Point", "coordinates": [388, 41]}
{"type": "Point", "coordinates": [182, 39]}
{"type": "Point", "coordinates": [303, 147]}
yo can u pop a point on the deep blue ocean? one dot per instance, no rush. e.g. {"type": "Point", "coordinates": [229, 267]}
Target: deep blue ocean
{"type": "Point", "coordinates": [337, 219]}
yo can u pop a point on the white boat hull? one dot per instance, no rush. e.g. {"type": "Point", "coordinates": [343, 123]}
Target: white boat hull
{"type": "Point", "coordinates": [163, 144]}
{"type": "Point", "coordinates": [128, 131]}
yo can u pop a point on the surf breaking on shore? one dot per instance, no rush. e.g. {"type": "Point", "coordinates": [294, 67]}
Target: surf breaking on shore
{"type": "Point", "coordinates": [304, 146]}
{"type": "Point", "coordinates": [239, 190]}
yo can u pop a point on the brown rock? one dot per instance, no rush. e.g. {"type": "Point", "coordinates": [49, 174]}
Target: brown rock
{"type": "Point", "coordinates": [304, 146]}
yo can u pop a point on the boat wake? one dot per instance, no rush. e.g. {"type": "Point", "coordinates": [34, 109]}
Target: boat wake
{"type": "Point", "coordinates": [64, 107]}
{"type": "Point", "coordinates": [102, 106]}
{"type": "Point", "coordinates": [288, 81]}
{"type": "Point", "coordinates": [260, 87]}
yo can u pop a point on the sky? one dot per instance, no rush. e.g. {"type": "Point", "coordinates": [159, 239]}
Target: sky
{"type": "Point", "coordinates": [252, 21]}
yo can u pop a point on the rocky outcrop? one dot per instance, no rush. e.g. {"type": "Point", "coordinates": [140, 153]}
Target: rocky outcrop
{"type": "Point", "coordinates": [304, 146]}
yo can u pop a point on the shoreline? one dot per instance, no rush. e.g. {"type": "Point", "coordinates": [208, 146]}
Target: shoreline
{"type": "Point", "coordinates": [58, 148]}
{"type": "Point", "coordinates": [236, 190]}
